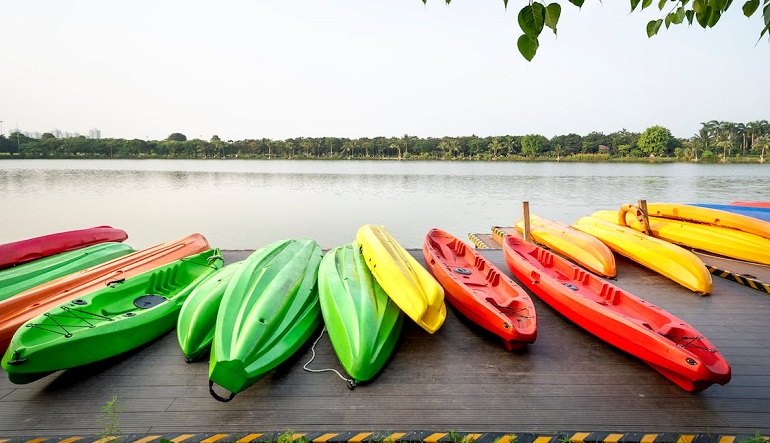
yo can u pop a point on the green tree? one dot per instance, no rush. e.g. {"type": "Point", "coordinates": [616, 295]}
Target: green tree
{"type": "Point", "coordinates": [177, 137]}
{"type": "Point", "coordinates": [532, 144]}
{"type": "Point", "coordinates": [655, 141]}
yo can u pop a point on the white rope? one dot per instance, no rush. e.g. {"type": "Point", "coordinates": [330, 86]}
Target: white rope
{"type": "Point", "coordinates": [351, 383]}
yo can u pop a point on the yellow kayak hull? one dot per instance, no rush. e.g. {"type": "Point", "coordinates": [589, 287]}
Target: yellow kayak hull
{"type": "Point", "coordinates": [667, 259]}
{"type": "Point", "coordinates": [710, 216]}
{"type": "Point", "coordinates": [585, 250]}
{"type": "Point", "coordinates": [404, 279]}
{"type": "Point", "coordinates": [727, 242]}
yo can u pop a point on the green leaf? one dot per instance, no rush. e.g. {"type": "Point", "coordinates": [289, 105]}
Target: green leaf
{"type": "Point", "coordinates": [528, 46]}
{"type": "Point", "coordinates": [662, 4]}
{"type": "Point", "coordinates": [719, 5]}
{"type": "Point", "coordinates": [532, 19]}
{"type": "Point", "coordinates": [699, 6]}
{"type": "Point", "coordinates": [703, 17]}
{"type": "Point", "coordinates": [505, 3]}
{"type": "Point", "coordinates": [552, 13]}
{"type": "Point", "coordinates": [646, 3]}
{"type": "Point", "coordinates": [714, 18]}
{"type": "Point", "coordinates": [680, 14]}
{"type": "Point", "coordinates": [653, 27]}
{"type": "Point", "coordinates": [578, 3]}
{"type": "Point", "coordinates": [684, 2]}
{"type": "Point", "coordinates": [669, 17]}
{"type": "Point", "coordinates": [766, 14]}
{"type": "Point", "coordinates": [634, 4]}
{"type": "Point", "coordinates": [690, 14]}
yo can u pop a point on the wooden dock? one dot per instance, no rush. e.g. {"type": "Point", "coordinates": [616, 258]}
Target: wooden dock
{"type": "Point", "coordinates": [457, 383]}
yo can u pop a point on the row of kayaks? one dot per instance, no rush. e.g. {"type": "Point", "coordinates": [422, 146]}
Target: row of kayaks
{"type": "Point", "coordinates": [250, 316]}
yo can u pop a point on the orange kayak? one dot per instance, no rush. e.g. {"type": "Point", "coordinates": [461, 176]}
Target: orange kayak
{"type": "Point", "coordinates": [17, 310]}
{"type": "Point", "coordinates": [710, 217]}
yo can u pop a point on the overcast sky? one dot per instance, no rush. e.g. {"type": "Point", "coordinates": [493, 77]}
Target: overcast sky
{"type": "Point", "coordinates": [362, 68]}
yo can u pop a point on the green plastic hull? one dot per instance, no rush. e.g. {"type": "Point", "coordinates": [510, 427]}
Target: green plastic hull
{"type": "Point", "coordinates": [28, 275]}
{"type": "Point", "coordinates": [108, 321]}
{"type": "Point", "coordinates": [198, 317]}
{"type": "Point", "coordinates": [362, 321]}
{"type": "Point", "coordinates": [269, 310]}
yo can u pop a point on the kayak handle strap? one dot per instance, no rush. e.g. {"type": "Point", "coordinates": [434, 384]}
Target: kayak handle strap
{"type": "Point", "coordinates": [217, 396]}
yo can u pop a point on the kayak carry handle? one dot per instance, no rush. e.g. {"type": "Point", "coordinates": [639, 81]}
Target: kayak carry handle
{"type": "Point", "coordinates": [217, 396]}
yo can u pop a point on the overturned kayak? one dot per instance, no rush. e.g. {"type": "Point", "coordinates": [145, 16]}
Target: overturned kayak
{"type": "Point", "coordinates": [362, 321]}
{"type": "Point", "coordinates": [660, 339]}
{"type": "Point", "coordinates": [23, 251]}
{"type": "Point", "coordinates": [409, 284]}
{"type": "Point", "coordinates": [269, 310]}
{"type": "Point", "coordinates": [107, 322]}
{"type": "Point", "coordinates": [28, 275]}
{"type": "Point", "coordinates": [198, 316]}
{"type": "Point", "coordinates": [22, 307]}
{"type": "Point", "coordinates": [480, 291]}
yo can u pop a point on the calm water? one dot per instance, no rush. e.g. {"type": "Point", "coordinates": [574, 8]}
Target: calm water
{"type": "Point", "coordinates": [248, 204]}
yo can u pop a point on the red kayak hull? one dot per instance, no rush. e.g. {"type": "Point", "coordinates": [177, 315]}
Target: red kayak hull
{"type": "Point", "coordinates": [660, 339]}
{"type": "Point", "coordinates": [22, 251]}
{"type": "Point", "coordinates": [480, 291]}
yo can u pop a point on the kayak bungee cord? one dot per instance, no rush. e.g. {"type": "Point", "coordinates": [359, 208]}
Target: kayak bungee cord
{"type": "Point", "coordinates": [684, 341]}
{"type": "Point", "coordinates": [351, 383]}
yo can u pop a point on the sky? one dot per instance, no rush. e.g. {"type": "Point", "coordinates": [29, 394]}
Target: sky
{"type": "Point", "coordinates": [244, 69]}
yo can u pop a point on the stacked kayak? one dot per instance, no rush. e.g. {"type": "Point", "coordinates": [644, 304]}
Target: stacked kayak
{"type": "Point", "coordinates": [268, 311]}
{"type": "Point", "coordinates": [751, 204]}
{"type": "Point", "coordinates": [28, 275]}
{"type": "Point", "coordinates": [748, 211]}
{"type": "Point", "coordinates": [22, 251]}
{"type": "Point", "coordinates": [405, 281]}
{"type": "Point", "coordinates": [106, 322]}
{"type": "Point", "coordinates": [666, 343]}
{"type": "Point", "coordinates": [362, 321]}
{"type": "Point", "coordinates": [480, 291]}
{"type": "Point", "coordinates": [709, 216]}
{"type": "Point", "coordinates": [22, 307]}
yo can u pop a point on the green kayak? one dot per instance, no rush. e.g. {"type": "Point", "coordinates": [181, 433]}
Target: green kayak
{"type": "Point", "coordinates": [362, 321]}
{"type": "Point", "coordinates": [195, 327]}
{"type": "Point", "coordinates": [28, 275]}
{"type": "Point", "coordinates": [269, 310]}
{"type": "Point", "coordinates": [106, 322]}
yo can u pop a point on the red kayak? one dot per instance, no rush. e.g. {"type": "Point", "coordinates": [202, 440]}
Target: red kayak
{"type": "Point", "coordinates": [660, 339]}
{"type": "Point", "coordinates": [14, 253]}
{"type": "Point", "coordinates": [751, 204]}
{"type": "Point", "coordinates": [479, 290]}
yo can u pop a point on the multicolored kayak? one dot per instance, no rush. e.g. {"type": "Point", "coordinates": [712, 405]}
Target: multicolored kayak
{"type": "Point", "coordinates": [362, 321]}
{"type": "Point", "coordinates": [749, 211]}
{"type": "Point", "coordinates": [667, 259]}
{"type": "Point", "coordinates": [583, 249]}
{"type": "Point", "coordinates": [405, 281]}
{"type": "Point", "coordinates": [660, 339]}
{"type": "Point", "coordinates": [22, 251]}
{"type": "Point", "coordinates": [710, 217]}
{"type": "Point", "coordinates": [22, 307]}
{"type": "Point", "coordinates": [107, 322]}
{"type": "Point", "coordinates": [269, 310]}
{"type": "Point", "coordinates": [28, 275]}
{"type": "Point", "coordinates": [198, 317]}
{"type": "Point", "coordinates": [480, 291]}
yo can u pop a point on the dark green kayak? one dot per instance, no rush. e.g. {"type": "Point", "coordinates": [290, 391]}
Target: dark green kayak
{"type": "Point", "coordinates": [269, 310]}
{"type": "Point", "coordinates": [28, 275]}
{"type": "Point", "coordinates": [198, 317]}
{"type": "Point", "coordinates": [108, 321]}
{"type": "Point", "coordinates": [362, 321]}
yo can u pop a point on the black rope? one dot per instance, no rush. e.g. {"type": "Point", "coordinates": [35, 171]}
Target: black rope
{"type": "Point", "coordinates": [507, 310]}
{"type": "Point", "coordinates": [68, 313]}
{"type": "Point", "coordinates": [685, 341]}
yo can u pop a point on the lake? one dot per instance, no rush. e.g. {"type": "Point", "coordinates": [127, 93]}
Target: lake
{"type": "Point", "coordinates": [246, 204]}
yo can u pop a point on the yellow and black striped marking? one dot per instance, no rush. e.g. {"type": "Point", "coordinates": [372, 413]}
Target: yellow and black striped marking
{"type": "Point", "coordinates": [745, 280]}
{"type": "Point", "coordinates": [394, 437]}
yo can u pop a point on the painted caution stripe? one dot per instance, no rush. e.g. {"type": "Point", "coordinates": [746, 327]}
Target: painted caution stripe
{"type": "Point", "coordinates": [407, 437]}
{"type": "Point", "coordinates": [740, 278]}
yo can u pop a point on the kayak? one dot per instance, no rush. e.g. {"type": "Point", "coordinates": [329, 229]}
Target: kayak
{"type": "Point", "coordinates": [480, 291]}
{"type": "Point", "coordinates": [106, 322]}
{"type": "Point", "coordinates": [751, 204]}
{"type": "Point", "coordinates": [28, 275]}
{"type": "Point", "coordinates": [22, 307]}
{"type": "Point", "coordinates": [405, 281]}
{"type": "Point", "coordinates": [660, 339]}
{"type": "Point", "coordinates": [667, 259]}
{"type": "Point", "coordinates": [268, 312]}
{"type": "Point", "coordinates": [748, 211]}
{"type": "Point", "coordinates": [362, 321]}
{"type": "Point", "coordinates": [583, 249]}
{"type": "Point", "coordinates": [22, 251]}
{"type": "Point", "coordinates": [709, 216]}
{"type": "Point", "coordinates": [198, 316]}
{"type": "Point", "coordinates": [714, 239]}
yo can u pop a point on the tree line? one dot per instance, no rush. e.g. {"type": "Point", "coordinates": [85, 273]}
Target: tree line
{"type": "Point", "coordinates": [715, 141]}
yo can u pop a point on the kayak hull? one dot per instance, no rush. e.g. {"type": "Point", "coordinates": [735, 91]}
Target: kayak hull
{"type": "Point", "coordinates": [480, 291]}
{"type": "Point", "coordinates": [709, 216]}
{"type": "Point", "coordinates": [748, 211]}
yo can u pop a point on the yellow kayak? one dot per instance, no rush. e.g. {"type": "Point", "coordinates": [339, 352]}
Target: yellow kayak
{"type": "Point", "coordinates": [709, 216]}
{"type": "Point", "coordinates": [405, 281]}
{"type": "Point", "coordinates": [667, 259]}
{"type": "Point", "coordinates": [727, 242]}
{"type": "Point", "coordinates": [585, 250]}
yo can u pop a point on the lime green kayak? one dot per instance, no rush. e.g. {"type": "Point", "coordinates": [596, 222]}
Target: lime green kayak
{"type": "Point", "coordinates": [106, 322]}
{"type": "Point", "coordinates": [198, 317]}
{"type": "Point", "coordinates": [28, 275]}
{"type": "Point", "coordinates": [362, 321]}
{"type": "Point", "coordinates": [270, 308]}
